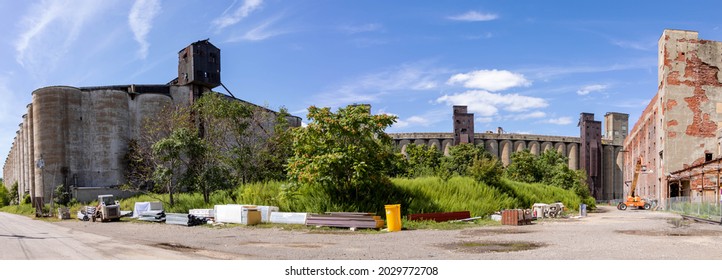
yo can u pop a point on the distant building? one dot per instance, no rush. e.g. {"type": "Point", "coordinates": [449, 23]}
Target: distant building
{"type": "Point", "coordinates": [78, 137]}
{"type": "Point", "coordinates": [601, 157]}
{"type": "Point", "coordinates": [679, 127]}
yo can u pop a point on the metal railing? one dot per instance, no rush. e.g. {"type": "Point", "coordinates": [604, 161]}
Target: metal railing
{"type": "Point", "coordinates": [694, 207]}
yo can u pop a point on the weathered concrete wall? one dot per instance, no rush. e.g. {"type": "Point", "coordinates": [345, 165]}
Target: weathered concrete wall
{"type": "Point", "coordinates": [679, 126]}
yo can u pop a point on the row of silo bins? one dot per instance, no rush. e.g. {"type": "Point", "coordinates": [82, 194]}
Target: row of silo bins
{"type": "Point", "coordinates": [81, 135]}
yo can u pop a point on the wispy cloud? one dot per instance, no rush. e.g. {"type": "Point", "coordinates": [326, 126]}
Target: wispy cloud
{"type": "Point", "coordinates": [474, 16]}
{"type": "Point", "coordinates": [548, 72]}
{"type": "Point", "coordinates": [526, 116]}
{"type": "Point", "coordinates": [263, 31]}
{"type": "Point", "coordinates": [488, 104]}
{"type": "Point", "coordinates": [354, 29]}
{"type": "Point", "coordinates": [591, 88]}
{"type": "Point", "coordinates": [426, 119]}
{"type": "Point", "coordinates": [230, 18]}
{"type": "Point", "coordinates": [49, 29]}
{"type": "Point", "coordinates": [140, 20]}
{"type": "Point", "coordinates": [636, 45]}
{"type": "Point", "coordinates": [371, 87]}
{"type": "Point", "coordinates": [492, 80]}
{"type": "Point", "coordinates": [559, 121]}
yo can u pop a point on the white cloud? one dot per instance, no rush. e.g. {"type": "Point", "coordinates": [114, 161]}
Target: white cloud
{"type": "Point", "coordinates": [263, 31]}
{"type": "Point", "coordinates": [591, 88]}
{"type": "Point", "coordinates": [50, 28]}
{"type": "Point", "coordinates": [227, 19]}
{"type": "Point", "coordinates": [353, 29]}
{"type": "Point", "coordinates": [140, 20]}
{"type": "Point", "coordinates": [484, 119]}
{"type": "Point", "coordinates": [474, 16]}
{"type": "Point", "coordinates": [371, 87]}
{"type": "Point", "coordinates": [636, 45]}
{"type": "Point", "coordinates": [526, 116]}
{"type": "Point", "coordinates": [559, 121]}
{"type": "Point", "coordinates": [488, 104]}
{"type": "Point", "coordinates": [491, 80]}
{"type": "Point", "coordinates": [412, 123]}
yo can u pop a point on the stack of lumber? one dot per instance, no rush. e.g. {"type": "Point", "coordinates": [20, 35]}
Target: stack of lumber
{"type": "Point", "coordinates": [345, 220]}
{"type": "Point", "coordinates": [440, 217]}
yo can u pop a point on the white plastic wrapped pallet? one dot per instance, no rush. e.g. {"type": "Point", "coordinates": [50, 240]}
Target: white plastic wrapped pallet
{"type": "Point", "coordinates": [288, 218]}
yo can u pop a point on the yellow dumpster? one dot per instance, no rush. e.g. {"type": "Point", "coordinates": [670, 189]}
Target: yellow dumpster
{"type": "Point", "coordinates": [393, 217]}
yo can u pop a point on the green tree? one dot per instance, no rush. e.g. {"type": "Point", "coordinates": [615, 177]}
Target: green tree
{"type": "Point", "coordinates": [14, 196]}
{"type": "Point", "coordinates": [422, 160]}
{"type": "Point", "coordinates": [4, 195]}
{"type": "Point", "coordinates": [178, 155]}
{"type": "Point", "coordinates": [461, 158]}
{"type": "Point", "coordinates": [347, 154]}
{"type": "Point", "coordinates": [524, 168]}
{"type": "Point", "coordinates": [486, 169]}
{"type": "Point", "coordinates": [250, 142]}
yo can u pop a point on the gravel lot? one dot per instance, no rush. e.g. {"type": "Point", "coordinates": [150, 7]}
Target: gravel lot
{"type": "Point", "coordinates": [607, 234]}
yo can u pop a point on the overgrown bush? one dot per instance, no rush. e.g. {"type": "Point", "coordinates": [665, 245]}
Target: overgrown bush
{"type": "Point", "coordinates": [4, 196]}
{"type": "Point", "coordinates": [26, 199]}
{"type": "Point", "coordinates": [61, 195]}
{"type": "Point", "coordinates": [14, 197]}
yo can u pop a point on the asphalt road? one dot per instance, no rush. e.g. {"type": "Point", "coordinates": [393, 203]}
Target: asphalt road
{"type": "Point", "coordinates": [22, 238]}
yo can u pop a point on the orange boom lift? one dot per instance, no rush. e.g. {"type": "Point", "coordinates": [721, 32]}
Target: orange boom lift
{"type": "Point", "coordinates": [634, 200]}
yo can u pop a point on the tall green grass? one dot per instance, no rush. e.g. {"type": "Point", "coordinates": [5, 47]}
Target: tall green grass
{"type": "Point", "coordinates": [456, 194]}
{"type": "Point", "coordinates": [418, 195]}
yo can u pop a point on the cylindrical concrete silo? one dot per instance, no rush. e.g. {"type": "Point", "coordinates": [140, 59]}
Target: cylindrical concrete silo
{"type": "Point", "coordinates": [50, 131]}
{"type": "Point", "coordinates": [107, 135]}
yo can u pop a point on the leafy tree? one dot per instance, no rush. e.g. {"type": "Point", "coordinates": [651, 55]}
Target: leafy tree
{"type": "Point", "coordinates": [346, 154]}
{"type": "Point", "coordinates": [422, 160]}
{"type": "Point", "coordinates": [246, 140]}
{"type": "Point", "coordinates": [486, 169]}
{"type": "Point", "coordinates": [61, 195]}
{"type": "Point", "coordinates": [461, 157]}
{"type": "Point", "coordinates": [177, 154]}
{"type": "Point", "coordinates": [4, 195]}
{"type": "Point", "coordinates": [14, 196]}
{"type": "Point", "coordinates": [523, 168]}
{"type": "Point", "coordinates": [549, 168]}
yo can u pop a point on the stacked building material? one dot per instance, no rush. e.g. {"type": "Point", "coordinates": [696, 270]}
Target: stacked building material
{"type": "Point", "coordinates": [184, 219]}
{"type": "Point", "coordinates": [288, 218]}
{"type": "Point", "coordinates": [516, 217]}
{"type": "Point", "coordinates": [237, 214]}
{"type": "Point", "coordinates": [440, 217]}
{"type": "Point", "coordinates": [141, 207]}
{"type": "Point", "coordinates": [346, 220]}
{"type": "Point", "coordinates": [152, 216]}
{"type": "Point", "coordinates": [202, 213]}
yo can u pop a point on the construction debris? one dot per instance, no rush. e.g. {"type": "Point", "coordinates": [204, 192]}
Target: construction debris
{"type": "Point", "coordinates": [141, 207]}
{"type": "Point", "coordinates": [288, 218]}
{"type": "Point", "coordinates": [184, 219]}
{"type": "Point", "coordinates": [350, 220]}
{"type": "Point", "coordinates": [516, 217]}
{"type": "Point", "coordinates": [440, 217]}
{"type": "Point", "coordinates": [152, 216]}
{"type": "Point", "coordinates": [63, 213]}
{"type": "Point", "coordinates": [202, 213]}
{"type": "Point", "coordinates": [85, 213]}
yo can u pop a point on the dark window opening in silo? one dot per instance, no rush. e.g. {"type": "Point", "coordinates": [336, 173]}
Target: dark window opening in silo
{"type": "Point", "coordinates": [707, 156]}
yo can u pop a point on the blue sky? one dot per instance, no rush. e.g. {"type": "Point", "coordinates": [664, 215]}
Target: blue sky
{"type": "Point", "coordinates": [526, 66]}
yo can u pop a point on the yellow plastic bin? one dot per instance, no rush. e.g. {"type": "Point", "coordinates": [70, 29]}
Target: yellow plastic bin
{"type": "Point", "coordinates": [393, 217]}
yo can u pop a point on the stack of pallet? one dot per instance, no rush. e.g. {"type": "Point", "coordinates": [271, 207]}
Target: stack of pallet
{"type": "Point", "coordinates": [346, 220]}
{"type": "Point", "coordinates": [516, 217]}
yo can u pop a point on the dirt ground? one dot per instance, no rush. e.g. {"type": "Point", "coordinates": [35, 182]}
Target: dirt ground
{"type": "Point", "coordinates": [606, 234]}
